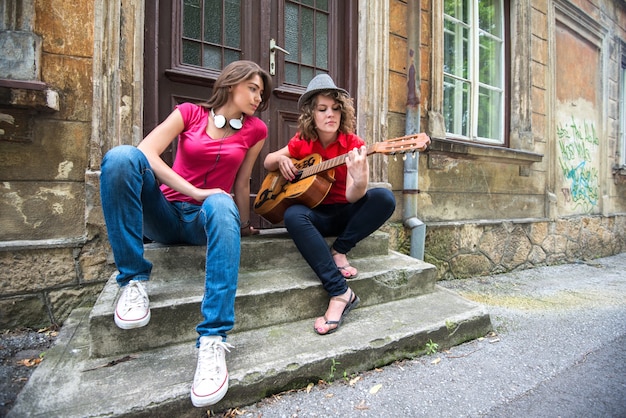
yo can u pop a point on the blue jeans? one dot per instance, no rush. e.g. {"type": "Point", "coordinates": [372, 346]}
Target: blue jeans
{"type": "Point", "coordinates": [350, 223]}
{"type": "Point", "coordinates": [135, 207]}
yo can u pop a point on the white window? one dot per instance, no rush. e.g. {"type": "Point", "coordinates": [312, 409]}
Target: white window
{"type": "Point", "coordinates": [474, 70]}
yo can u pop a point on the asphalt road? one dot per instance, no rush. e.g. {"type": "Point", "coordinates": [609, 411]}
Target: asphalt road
{"type": "Point", "coordinates": [558, 350]}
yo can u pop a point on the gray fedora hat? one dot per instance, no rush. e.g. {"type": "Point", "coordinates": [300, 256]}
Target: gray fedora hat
{"type": "Point", "coordinates": [320, 82]}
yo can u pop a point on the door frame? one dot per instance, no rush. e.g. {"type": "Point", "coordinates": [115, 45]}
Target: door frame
{"type": "Point", "coordinates": [280, 120]}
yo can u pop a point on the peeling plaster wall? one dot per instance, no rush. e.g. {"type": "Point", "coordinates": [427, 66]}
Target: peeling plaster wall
{"type": "Point", "coordinates": [578, 120]}
{"type": "Point", "coordinates": [42, 194]}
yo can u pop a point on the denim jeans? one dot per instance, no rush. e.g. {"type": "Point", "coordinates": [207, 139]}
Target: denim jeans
{"type": "Point", "coordinates": [350, 223]}
{"type": "Point", "coordinates": [134, 207]}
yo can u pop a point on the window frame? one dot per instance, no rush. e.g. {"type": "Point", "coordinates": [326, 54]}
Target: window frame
{"type": "Point", "coordinates": [519, 146]}
{"type": "Point", "coordinates": [471, 76]}
{"type": "Point", "coordinates": [621, 143]}
{"type": "Point", "coordinates": [179, 71]}
{"type": "Point", "coordinates": [295, 63]}
{"type": "Point", "coordinates": [203, 41]}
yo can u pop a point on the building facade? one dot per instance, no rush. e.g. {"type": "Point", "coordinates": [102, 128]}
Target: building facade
{"type": "Point", "coordinates": [523, 100]}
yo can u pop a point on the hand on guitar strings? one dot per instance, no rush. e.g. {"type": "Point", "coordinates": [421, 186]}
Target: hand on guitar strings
{"type": "Point", "coordinates": [287, 168]}
{"type": "Point", "coordinates": [358, 167]}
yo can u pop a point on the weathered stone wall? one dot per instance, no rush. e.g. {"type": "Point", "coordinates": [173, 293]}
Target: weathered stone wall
{"type": "Point", "coordinates": [47, 259]}
{"type": "Point", "coordinates": [462, 250]}
{"type": "Point", "coordinates": [40, 287]}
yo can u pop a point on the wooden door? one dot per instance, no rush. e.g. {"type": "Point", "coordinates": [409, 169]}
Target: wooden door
{"type": "Point", "coordinates": [188, 42]}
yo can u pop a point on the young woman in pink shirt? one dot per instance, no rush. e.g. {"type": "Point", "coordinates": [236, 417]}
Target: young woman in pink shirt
{"type": "Point", "coordinates": [203, 199]}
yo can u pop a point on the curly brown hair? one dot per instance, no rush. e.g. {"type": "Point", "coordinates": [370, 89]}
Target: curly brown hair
{"type": "Point", "coordinates": [306, 121]}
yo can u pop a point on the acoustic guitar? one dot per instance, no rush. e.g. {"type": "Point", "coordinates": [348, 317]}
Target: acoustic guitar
{"type": "Point", "coordinates": [315, 178]}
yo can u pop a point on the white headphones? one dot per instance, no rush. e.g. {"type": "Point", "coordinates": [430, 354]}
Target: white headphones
{"type": "Point", "coordinates": [220, 121]}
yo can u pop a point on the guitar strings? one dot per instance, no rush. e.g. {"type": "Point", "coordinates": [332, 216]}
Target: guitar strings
{"type": "Point", "coordinates": [397, 149]}
{"type": "Point", "coordinates": [325, 165]}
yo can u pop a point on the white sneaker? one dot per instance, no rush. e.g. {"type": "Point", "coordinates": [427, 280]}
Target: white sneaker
{"type": "Point", "coordinates": [132, 309]}
{"type": "Point", "coordinates": [210, 383]}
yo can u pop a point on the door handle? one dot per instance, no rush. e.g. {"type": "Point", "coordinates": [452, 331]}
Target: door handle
{"type": "Point", "coordinates": [273, 49]}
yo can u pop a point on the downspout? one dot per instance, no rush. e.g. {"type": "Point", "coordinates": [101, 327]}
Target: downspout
{"type": "Point", "coordinates": [412, 126]}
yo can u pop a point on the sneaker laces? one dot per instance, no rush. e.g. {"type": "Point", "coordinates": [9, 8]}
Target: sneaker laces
{"type": "Point", "coordinates": [135, 296]}
{"type": "Point", "coordinates": [210, 359]}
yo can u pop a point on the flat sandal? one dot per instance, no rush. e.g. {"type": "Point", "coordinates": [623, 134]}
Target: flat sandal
{"type": "Point", "coordinates": [349, 306]}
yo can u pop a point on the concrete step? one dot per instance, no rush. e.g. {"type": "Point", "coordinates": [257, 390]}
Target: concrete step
{"type": "Point", "coordinates": [265, 297]}
{"type": "Point", "coordinates": [271, 249]}
{"type": "Point", "coordinates": [155, 383]}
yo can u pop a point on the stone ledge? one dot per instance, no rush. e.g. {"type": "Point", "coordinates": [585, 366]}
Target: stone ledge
{"type": "Point", "coordinates": [28, 95]}
{"type": "Point", "coordinates": [470, 151]}
{"type": "Point", "coordinates": [19, 245]}
{"type": "Point", "coordinates": [483, 222]}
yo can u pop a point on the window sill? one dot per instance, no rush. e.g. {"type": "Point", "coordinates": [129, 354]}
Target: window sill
{"type": "Point", "coordinates": [442, 149]}
{"type": "Point", "coordinates": [31, 95]}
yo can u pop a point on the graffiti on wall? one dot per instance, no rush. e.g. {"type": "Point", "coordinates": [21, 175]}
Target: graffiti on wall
{"type": "Point", "coordinates": [577, 143]}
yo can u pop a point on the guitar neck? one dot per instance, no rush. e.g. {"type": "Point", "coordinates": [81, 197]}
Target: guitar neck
{"type": "Point", "coordinates": [328, 164]}
{"type": "Point", "coordinates": [400, 145]}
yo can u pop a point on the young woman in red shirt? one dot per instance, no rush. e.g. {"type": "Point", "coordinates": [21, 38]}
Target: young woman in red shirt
{"type": "Point", "coordinates": [350, 212]}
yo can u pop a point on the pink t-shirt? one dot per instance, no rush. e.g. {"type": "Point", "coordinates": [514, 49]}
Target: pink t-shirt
{"type": "Point", "coordinates": [207, 162]}
{"type": "Point", "coordinates": [300, 148]}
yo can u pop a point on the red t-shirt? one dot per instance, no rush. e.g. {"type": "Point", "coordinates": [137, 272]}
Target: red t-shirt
{"type": "Point", "coordinates": [300, 148]}
{"type": "Point", "coordinates": [207, 162]}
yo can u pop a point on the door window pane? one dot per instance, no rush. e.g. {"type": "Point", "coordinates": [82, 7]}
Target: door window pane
{"type": "Point", "coordinates": [232, 20]}
{"type": "Point", "coordinates": [210, 54]}
{"type": "Point", "coordinates": [211, 33]}
{"type": "Point", "coordinates": [306, 39]}
{"type": "Point", "coordinates": [307, 35]}
{"type": "Point", "coordinates": [192, 20]}
{"type": "Point", "coordinates": [213, 30]}
{"type": "Point", "coordinates": [191, 53]}
{"type": "Point", "coordinates": [291, 71]}
{"type": "Point", "coordinates": [291, 33]}
{"type": "Point", "coordinates": [321, 52]}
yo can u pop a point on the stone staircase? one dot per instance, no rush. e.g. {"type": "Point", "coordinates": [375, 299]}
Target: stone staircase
{"type": "Point", "coordinates": [96, 369]}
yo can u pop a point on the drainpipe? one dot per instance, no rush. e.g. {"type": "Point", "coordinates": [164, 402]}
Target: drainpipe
{"type": "Point", "coordinates": [412, 126]}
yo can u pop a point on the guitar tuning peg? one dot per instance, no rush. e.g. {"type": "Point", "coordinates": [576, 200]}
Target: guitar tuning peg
{"type": "Point", "coordinates": [403, 157]}
{"type": "Point", "coordinates": [395, 156]}
{"type": "Point", "coordinates": [414, 154]}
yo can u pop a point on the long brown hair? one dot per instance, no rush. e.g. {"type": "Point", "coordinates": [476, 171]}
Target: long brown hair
{"type": "Point", "coordinates": [233, 74]}
{"type": "Point", "coordinates": [306, 121]}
